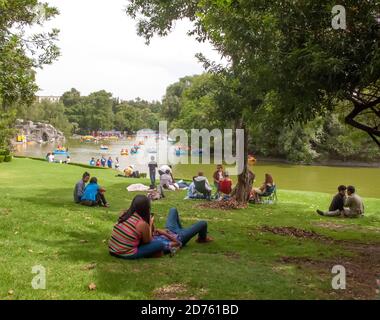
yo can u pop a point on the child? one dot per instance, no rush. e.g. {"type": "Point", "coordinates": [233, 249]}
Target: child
{"type": "Point", "coordinates": [117, 164]}
{"type": "Point", "coordinates": [218, 176]}
{"type": "Point", "coordinates": [109, 163]}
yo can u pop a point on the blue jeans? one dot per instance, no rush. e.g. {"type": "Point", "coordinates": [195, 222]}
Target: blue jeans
{"type": "Point", "coordinates": [185, 234]}
{"type": "Point", "coordinates": [152, 178]}
{"type": "Point", "coordinates": [145, 251]}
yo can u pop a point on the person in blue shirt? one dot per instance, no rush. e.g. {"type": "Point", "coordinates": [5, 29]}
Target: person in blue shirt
{"type": "Point", "coordinates": [93, 195]}
{"type": "Point", "coordinates": [103, 162]}
{"type": "Point", "coordinates": [109, 162]}
{"type": "Point", "coordinates": [92, 162]}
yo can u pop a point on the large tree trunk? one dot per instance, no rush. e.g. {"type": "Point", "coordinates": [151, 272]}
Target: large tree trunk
{"type": "Point", "coordinates": [245, 180]}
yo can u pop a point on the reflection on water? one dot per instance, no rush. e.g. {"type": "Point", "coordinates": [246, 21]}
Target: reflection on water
{"type": "Point", "coordinates": [82, 152]}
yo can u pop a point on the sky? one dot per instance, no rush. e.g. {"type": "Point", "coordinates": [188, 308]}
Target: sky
{"type": "Point", "coordinates": [101, 50]}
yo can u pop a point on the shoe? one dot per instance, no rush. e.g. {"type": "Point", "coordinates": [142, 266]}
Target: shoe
{"type": "Point", "coordinates": [321, 213]}
{"type": "Point", "coordinates": [106, 205]}
{"type": "Point", "coordinates": [206, 240]}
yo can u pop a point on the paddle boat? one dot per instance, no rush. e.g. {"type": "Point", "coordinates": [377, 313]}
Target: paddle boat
{"type": "Point", "coordinates": [134, 151]}
{"type": "Point", "coordinates": [104, 147]}
{"type": "Point", "coordinates": [61, 151]}
{"type": "Point", "coordinates": [124, 152]}
{"type": "Point", "coordinates": [180, 152]}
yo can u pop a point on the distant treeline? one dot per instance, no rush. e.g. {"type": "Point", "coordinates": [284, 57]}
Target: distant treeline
{"type": "Point", "coordinates": [99, 111]}
{"type": "Point", "coordinates": [192, 102]}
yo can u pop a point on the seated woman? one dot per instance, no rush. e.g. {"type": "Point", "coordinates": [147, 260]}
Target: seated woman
{"type": "Point", "coordinates": [266, 188]}
{"type": "Point", "coordinates": [225, 186]}
{"type": "Point", "coordinates": [167, 181]}
{"type": "Point", "coordinates": [134, 236]}
{"type": "Point", "coordinates": [94, 195]}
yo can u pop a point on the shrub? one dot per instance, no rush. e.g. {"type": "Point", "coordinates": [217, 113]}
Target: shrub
{"type": "Point", "coordinates": [2, 158]}
{"type": "Point", "coordinates": [4, 152]}
{"type": "Point", "coordinates": [8, 158]}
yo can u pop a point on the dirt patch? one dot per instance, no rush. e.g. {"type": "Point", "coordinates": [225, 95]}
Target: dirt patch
{"type": "Point", "coordinates": [175, 291]}
{"type": "Point", "coordinates": [232, 255]}
{"type": "Point", "coordinates": [295, 232]}
{"type": "Point", "coordinates": [223, 205]}
{"type": "Point", "coordinates": [338, 227]}
{"type": "Point", "coordinates": [362, 274]}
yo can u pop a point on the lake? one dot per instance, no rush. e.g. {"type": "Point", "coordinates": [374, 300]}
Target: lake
{"type": "Point", "coordinates": [290, 177]}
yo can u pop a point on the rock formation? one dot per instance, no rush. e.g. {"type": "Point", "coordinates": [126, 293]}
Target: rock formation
{"type": "Point", "coordinates": [38, 132]}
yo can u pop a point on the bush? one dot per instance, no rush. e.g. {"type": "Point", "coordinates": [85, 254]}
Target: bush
{"type": "Point", "coordinates": [2, 158]}
{"type": "Point", "coordinates": [8, 158]}
{"type": "Point", "coordinates": [4, 152]}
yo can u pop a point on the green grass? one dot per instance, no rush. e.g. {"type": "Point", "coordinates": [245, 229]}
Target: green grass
{"type": "Point", "coordinates": [40, 225]}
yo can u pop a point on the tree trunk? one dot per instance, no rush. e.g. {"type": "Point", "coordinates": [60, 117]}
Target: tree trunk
{"type": "Point", "coordinates": [245, 180]}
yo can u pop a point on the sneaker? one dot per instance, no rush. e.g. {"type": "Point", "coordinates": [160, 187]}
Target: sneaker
{"type": "Point", "coordinates": [106, 205]}
{"type": "Point", "coordinates": [321, 213]}
{"type": "Point", "coordinates": [206, 240]}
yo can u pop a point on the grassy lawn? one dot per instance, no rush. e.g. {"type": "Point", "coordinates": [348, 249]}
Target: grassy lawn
{"type": "Point", "coordinates": [40, 225]}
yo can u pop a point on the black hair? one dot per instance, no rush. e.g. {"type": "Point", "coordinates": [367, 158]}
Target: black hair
{"type": "Point", "coordinates": [94, 180]}
{"type": "Point", "coordinates": [351, 189]}
{"type": "Point", "coordinates": [86, 174]}
{"type": "Point", "coordinates": [342, 188]}
{"type": "Point", "coordinates": [140, 205]}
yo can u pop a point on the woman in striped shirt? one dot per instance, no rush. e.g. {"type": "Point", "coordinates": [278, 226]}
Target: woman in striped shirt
{"type": "Point", "coordinates": [132, 236]}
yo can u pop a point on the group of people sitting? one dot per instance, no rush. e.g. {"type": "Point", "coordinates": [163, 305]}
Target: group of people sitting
{"type": "Point", "coordinates": [346, 203]}
{"type": "Point", "coordinates": [200, 187]}
{"type": "Point", "coordinates": [88, 192]}
{"type": "Point", "coordinates": [103, 162]}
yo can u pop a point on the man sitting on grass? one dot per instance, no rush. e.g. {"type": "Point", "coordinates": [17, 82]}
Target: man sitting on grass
{"type": "Point", "coordinates": [94, 195]}
{"type": "Point", "coordinates": [350, 206]}
{"type": "Point", "coordinates": [80, 186]}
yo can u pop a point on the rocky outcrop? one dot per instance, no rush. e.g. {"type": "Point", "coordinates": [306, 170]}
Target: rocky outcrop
{"type": "Point", "coordinates": [39, 131]}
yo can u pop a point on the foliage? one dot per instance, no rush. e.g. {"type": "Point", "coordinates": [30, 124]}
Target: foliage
{"type": "Point", "coordinates": [21, 54]}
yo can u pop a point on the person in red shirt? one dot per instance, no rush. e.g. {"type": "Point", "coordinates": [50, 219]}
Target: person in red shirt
{"type": "Point", "coordinates": [225, 185]}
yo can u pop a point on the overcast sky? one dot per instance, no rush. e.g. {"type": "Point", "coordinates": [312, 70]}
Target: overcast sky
{"type": "Point", "coordinates": [100, 50]}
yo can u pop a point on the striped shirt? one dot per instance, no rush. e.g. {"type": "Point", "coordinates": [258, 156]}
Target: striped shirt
{"type": "Point", "coordinates": [125, 237]}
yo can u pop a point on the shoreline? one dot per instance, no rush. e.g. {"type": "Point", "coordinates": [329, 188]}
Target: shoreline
{"type": "Point", "coordinates": [326, 163]}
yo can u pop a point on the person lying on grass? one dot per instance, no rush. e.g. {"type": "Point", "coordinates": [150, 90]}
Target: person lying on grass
{"type": "Point", "coordinates": [94, 195]}
{"type": "Point", "coordinates": [134, 235]}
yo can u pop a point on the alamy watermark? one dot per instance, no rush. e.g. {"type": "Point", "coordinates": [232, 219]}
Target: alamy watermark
{"type": "Point", "coordinates": [198, 147]}
{"type": "Point", "coordinates": [339, 20]}
{"type": "Point", "coordinates": [39, 281]}
{"type": "Point", "coordinates": [339, 280]}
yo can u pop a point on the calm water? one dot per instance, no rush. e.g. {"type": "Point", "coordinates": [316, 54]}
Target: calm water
{"type": "Point", "coordinates": [291, 177]}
